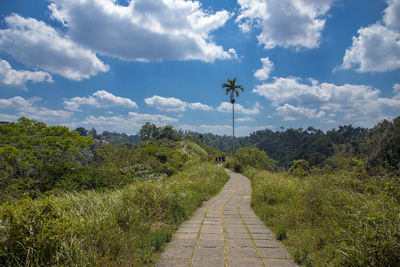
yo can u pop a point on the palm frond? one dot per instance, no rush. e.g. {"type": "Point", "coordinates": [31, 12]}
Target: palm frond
{"type": "Point", "coordinates": [225, 85]}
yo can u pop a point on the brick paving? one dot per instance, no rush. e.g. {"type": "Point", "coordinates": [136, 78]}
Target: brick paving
{"type": "Point", "coordinates": [224, 231]}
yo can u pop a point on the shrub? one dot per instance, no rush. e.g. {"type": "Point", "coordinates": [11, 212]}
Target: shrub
{"type": "Point", "coordinates": [104, 228]}
{"type": "Point", "coordinates": [281, 233]}
{"type": "Point", "coordinates": [300, 168]}
{"type": "Point", "coordinates": [35, 232]}
{"type": "Point", "coordinates": [333, 219]}
{"type": "Point", "coordinates": [253, 157]}
{"type": "Point", "coordinates": [236, 166]}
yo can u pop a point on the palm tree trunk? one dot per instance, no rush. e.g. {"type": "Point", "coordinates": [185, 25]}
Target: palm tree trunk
{"type": "Point", "coordinates": [233, 127]}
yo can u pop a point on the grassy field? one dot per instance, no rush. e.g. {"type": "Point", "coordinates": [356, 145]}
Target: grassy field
{"type": "Point", "coordinates": [127, 226]}
{"type": "Point", "coordinates": [345, 218]}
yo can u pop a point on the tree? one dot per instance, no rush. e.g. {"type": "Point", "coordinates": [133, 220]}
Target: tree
{"type": "Point", "coordinates": [231, 88]}
{"type": "Point", "coordinates": [82, 131]}
{"type": "Point", "coordinates": [35, 157]}
{"type": "Point", "coordinates": [148, 131]}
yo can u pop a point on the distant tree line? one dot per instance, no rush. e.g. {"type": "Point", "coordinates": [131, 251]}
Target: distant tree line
{"type": "Point", "coordinates": [379, 146]}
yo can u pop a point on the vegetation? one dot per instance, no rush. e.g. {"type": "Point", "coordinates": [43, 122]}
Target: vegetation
{"type": "Point", "coordinates": [343, 211]}
{"type": "Point", "coordinates": [65, 201]}
{"type": "Point", "coordinates": [251, 157]}
{"type": "Point", "coordinates": [300, 168]}
{"type": "Point", "coordinates": [124, 226]}
{"type": "Point", "coordinates": [78, 198]}
{"type": "Point", "coordinates": [331, 219]}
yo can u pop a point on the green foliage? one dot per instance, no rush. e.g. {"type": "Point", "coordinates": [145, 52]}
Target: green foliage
{"type": "Point", "coordinates": [35, 157]}
{"type": "Point", "coordinates": [300, 168]}
{"type": "Point", "coordinates": [383, 147]}
{"type": "Point", "coordinates": [150, 132]}
{"type": "Point", "coordinates": [253, 157]}
{"type": "Point", "coordinates": [37, 233]}
{"type": "Point", "coordinates": [113, 227]}
{"type": "Point", "coordinates": [333, 219]}
{"type": "Point", "coordinates": [281, 233]}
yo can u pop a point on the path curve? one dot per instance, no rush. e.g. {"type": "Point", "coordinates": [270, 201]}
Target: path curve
{"type": "Point", "coordinates": [224, 231]}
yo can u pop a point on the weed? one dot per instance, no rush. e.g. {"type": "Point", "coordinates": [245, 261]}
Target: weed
{"type": "Point", "coordinates": [338, 218]}
{"type": "Point", "coordinates": [281, 233]}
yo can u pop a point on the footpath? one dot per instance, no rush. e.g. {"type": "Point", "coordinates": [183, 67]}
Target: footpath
{"type": "Point", "coordinates": [224, 231]}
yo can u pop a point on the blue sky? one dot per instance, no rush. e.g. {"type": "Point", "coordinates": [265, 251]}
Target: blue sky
{"type": "Point", "coordinates": [116, 64]}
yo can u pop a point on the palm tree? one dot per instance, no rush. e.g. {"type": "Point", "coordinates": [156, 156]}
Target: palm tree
{"type": "Point", "coordinates": [232, 88]}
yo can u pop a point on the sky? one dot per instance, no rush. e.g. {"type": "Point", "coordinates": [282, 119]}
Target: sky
{"type": "Point", "coordinates": [117, 64]}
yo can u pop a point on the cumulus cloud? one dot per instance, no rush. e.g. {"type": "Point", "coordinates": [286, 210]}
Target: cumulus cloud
{"type": "Point", "coordinates": [263, 73]}
{"type": "Point", "coordinates": [285, 23]}
{"type": "Point", "coordinates": [19, 78]}
{"type": "Point", "coordinates": [172, 104]}
{"type": "Point", "coordinates": [223, 129]}
{"type": "Point", "coordinates": [377, 47]}
{"type": "Point", "coordinates": [291, 113]}
{"type": "Point", "coordinates": [359, 104]}
{"type": "Point", "coordinates": [130, 123]}
{"type": "Point", "coordinates": [200, 106]}
{"type": "Point", "coordinates": [206, 128]}
{"type": "Point", "coordinates": [239, 109]}
{"type": "Point", "coordinates": [7, 117]}
{"type": "Point", "coordinates": [52, 52]}
{"type": "Point", "coordinates": [100, 99]}
{"type": "Point", "coordinates": [166, 103]}
{"type": "Point", "coordinates": [144, 30]}
{"type": "Point", "coordinates": [396, 90]}
{"type": "Point", "coordinates": [28, 108]}
{"type": "Point", "coordinates": [244, 119]}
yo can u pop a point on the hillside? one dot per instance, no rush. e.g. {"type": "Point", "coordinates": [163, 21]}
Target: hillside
{"type": "Point", "coordinates": [66, 201]}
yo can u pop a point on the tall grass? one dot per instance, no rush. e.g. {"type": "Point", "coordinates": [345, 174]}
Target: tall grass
{"type": "Point", "coordinates": [337, 219]}
{"type": "Point", "coordinates": [125, 226]}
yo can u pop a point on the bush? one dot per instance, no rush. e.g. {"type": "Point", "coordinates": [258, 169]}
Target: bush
{"type": "Point", "coordinates": [333, 219]}
{"type": "Point", "coordinates": [300, 168]}
{"type": "Point", "coordinates": [36, 232]}
{"type": "Point", "coordinates": [113, 227]}
{"type": "Point", "coordinates": [253, 157]}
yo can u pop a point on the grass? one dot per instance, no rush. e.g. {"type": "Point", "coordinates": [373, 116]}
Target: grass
{"type": "Point", "coordinates": [127, 226]}
{"type": "Point", "coordinates": [195, 150]}
{"type": "Point", "coordinates": [335, 219]}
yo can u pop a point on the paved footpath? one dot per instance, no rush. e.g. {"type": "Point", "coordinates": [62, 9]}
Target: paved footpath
{"type": "Point", "coordinates": [224, 231]}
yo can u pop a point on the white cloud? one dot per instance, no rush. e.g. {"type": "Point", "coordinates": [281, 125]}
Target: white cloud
{"type": "Point", "coordinates": [34, 43]}
{"type": "Point", "coordinates": [144, 30]}
{"type": "Point", "coordinates": [166, 103]}
{"type": "Point", "coordinates": [392, 14]}
{"type": "Point", "coordinates": [377, 47]}
{"type": "Point", "coordinates": [172, 104]}
{"type": "Point", "coordinates": [223, 129]}
{"type": "Point", "coordinates": [396, 91]}
{"type": "Point", "coordinates": [28, 108]}
{"type": "Point", "coordinates": [291, 113]}
{"type": "Point", "coordinates": [200, 106]}
{"type": "Point", "coordinates": [7, 117]}
{"type": "Point", "coordinates": [205, 128]}
{"type": "Point", "coordinates": [244, 119]}
{"type": "Point", "coordinates": [100, 99]}
{"type": "Point", "coordinates": [130, 123]}
{"type": "Point", "coordinates": [285, 23]}
{"type": "Point", "coordinates": [239, 109]}
{"type": "Point", "coordinates": [18, 103]}
{"type": "Point", "coordinates": [19, 78]}
{"type": "Point", "coordinates": [153, 118]}
{"type": "Point", "coordinates": [356, 104]}
{"type": "Point", "coordinates": [263, 73]}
